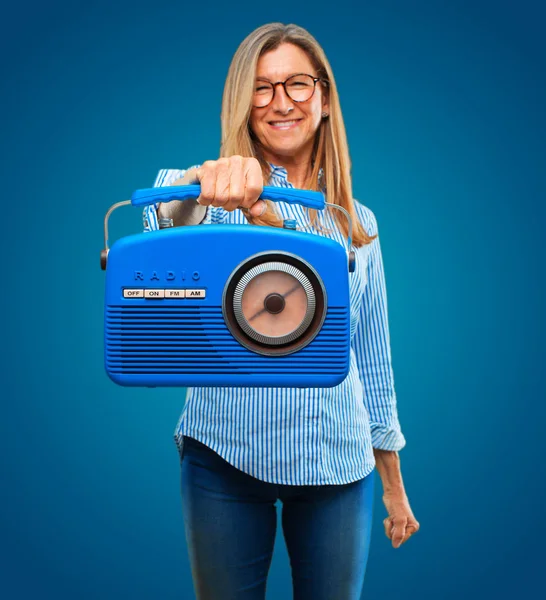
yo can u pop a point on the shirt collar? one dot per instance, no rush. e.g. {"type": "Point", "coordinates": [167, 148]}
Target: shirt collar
{"type": "Point", "coordinates": [281, 173]}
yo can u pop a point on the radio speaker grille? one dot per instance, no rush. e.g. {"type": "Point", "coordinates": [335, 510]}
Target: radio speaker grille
{"type": "Point", "coordinates": [187, 339]}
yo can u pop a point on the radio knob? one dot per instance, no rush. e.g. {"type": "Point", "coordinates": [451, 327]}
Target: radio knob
{"type": "Point", "coordinates": [274, 303]}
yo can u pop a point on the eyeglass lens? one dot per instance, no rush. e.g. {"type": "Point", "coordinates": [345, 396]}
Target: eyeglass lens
{"type": "Point", "coordinates": [298, 87]}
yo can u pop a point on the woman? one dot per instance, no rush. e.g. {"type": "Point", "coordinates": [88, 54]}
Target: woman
{"type": "Point", "coordinates": [314, 449]}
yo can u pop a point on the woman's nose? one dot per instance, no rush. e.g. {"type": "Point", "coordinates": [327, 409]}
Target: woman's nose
{"type": "Point", "coordinates": [281, 102]}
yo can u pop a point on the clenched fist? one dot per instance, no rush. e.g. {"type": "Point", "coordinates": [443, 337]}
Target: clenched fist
{"type": "Point", "coordinates": [401, 524]}
{"type": "Point", "coordinates": [234, 182]}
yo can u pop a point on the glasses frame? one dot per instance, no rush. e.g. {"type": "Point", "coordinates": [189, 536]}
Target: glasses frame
{"type": "Point", "coordinates": [283, 83]}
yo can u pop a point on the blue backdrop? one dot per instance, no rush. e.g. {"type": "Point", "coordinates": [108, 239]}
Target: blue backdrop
{"type": "Point", "coordinates": [444, 106]}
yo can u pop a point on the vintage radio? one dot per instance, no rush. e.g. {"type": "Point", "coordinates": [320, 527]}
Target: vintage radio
{"type": "Point", "coordinates": [227, 305]}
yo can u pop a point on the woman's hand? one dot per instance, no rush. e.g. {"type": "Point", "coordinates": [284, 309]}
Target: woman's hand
{"type": "Point", "coordinates": [231, 183]}
{"type": "Point", "coordinates": [400, 525]}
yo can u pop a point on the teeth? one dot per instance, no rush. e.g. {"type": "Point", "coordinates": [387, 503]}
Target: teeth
{"type": "Point", "coordinates": [286, 123]}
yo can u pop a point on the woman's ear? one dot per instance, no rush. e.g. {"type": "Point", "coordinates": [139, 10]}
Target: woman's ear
{"type": "Point", "coordinates": [325, 100]}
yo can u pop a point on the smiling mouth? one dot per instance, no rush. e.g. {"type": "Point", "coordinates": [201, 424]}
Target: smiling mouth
{"type": "Point", "coordinates": [284, 124]}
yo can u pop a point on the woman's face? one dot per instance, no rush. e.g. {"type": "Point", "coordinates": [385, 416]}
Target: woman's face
{"type": "Point", "coordinates": [286, 128]}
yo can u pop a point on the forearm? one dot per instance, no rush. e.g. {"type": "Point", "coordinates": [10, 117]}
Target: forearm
{"type": "Point", "coordinates": [186, 212]}
{"type": "Point", "coordinates": [388, 465]}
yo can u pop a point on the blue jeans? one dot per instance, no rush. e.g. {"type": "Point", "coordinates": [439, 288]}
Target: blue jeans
{"type": "Point", "coordinates": [230, 522]}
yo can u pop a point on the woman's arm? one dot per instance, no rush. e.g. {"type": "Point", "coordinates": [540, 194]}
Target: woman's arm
{"type": "Point", "coordinates": [400, 523]}
{"type": "Point", "coordinates": [226, 184]}
{"type": "Point", "coordinates": [372, 347]}
{"type": "Point", "coordinates": [371, 344]}
{"type": "Point", "coordinates": [387, 463]}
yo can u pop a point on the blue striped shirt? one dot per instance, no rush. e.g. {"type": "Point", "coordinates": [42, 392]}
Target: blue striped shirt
{"type": "Point", "coordinates": [305, 436]}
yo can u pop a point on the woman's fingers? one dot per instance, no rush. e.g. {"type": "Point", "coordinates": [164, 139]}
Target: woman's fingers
{"type": "Point", "coordinates": [253, 187]}
{"type": "Point", "coordinates": [221, 191]}
{"type": "Point", "coordinates": [400, 523]}
{"type": "Point", "coordinates": [231, 183]}
{"type": "Point", "coordinates": [399, 531]}
{"type": "Point", "coordinates": [236, 182]}
{"type": "Point", "coordinates": [206, 175]}
{"type": "Point", "coordinates": [410, 530]}
{"type": "Point", "coordinates": [258, 208]}
{"type": "Point", "coordinates": [388, 523]}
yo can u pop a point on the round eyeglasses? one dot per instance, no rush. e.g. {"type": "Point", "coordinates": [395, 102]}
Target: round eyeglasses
{"type": "Point", "coordinates": [299, 88]}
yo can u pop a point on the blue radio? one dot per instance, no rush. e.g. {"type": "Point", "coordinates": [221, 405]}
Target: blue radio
{"type": "Point", "coordinates": [227, 305]}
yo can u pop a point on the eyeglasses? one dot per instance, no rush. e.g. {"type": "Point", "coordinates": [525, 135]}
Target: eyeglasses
{"type": "Point", "coordinates": [299, 88]}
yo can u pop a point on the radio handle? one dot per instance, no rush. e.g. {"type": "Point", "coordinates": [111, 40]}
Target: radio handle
{"type": "Point", "coordinates": [308, 198]}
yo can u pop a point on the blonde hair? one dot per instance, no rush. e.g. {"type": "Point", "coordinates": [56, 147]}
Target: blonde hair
{"type": "Point", "coordinates": [331, 151]}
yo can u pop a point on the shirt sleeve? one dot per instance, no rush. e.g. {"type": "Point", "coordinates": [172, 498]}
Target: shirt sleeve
{"type": "Point", "coordinates": [371, 344]}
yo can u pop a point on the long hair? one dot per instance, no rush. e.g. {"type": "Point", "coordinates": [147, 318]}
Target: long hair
{"type": "Point", "coordinates": [330, 150]}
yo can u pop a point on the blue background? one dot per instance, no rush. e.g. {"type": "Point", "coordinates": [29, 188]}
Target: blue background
{"type": "Point", "coordinates": [444, 107]}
